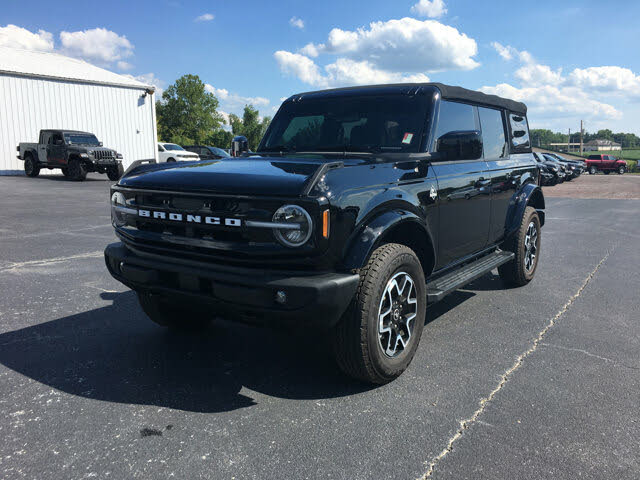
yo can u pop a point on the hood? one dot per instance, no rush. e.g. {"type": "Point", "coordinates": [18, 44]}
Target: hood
{"type": "Point", "coordinates": [245, 176]}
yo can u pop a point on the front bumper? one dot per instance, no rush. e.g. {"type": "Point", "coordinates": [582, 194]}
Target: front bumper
{"type": "Point", "coordinates": [245, 294]}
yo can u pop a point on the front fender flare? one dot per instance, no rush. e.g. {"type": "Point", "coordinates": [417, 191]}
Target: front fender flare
{"type": "Point", "coordinates": [371, 235]}
{"type": "Point", "coordinates": [529, 195]}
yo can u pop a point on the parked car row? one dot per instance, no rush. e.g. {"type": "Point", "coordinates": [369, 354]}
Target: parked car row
{"type": "Point", "coordinates": [171, 152]}
{"type": "Point", "coordinates": [556, 169]}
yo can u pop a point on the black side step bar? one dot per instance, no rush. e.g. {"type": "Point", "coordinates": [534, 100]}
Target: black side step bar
{"type": "Point", "coordinates": [439, 287]}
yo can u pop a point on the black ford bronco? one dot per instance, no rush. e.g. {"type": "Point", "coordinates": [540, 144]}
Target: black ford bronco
{"type": "Point", "coordinates": [76, 153]}
{"type": "Point", "coordinates": [360, 207]}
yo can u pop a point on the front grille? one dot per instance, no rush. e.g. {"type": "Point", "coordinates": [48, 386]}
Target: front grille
{"type": "Point", "coordinates": [217, 242]}
{"type": "Point", "coordinates": [103, 154]}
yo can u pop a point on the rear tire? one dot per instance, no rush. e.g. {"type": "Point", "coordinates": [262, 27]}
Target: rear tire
{"type": "Point", "coordinates": [31, 168]}
{"type": "Point", "coordinates": [377, 337]}
{"type": "Point", "coordinates": [168, 314]}
{"type": "Point", "coordinates": [75, 170]}
{"type": "Point", "coordinates": [524, 243]}
{"type": "Point", "coordinates": [115, 172]}
{"type": "Point", "coordinates": [592, 170]}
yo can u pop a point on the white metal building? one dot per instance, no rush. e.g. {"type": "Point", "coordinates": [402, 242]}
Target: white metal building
{"type": "Point", "coordinates": [47, 91]}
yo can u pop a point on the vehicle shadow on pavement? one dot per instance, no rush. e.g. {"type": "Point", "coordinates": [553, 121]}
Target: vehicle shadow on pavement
{"type": "Point", "coordinates": [116, 354]}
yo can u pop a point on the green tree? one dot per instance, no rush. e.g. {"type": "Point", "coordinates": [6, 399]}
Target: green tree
{"type": "Point", "coordinates": [250, 125]}
{"type": "Point", "coordinates": [187, 112]}
{"type": "Point", "coordinates": [605, 134]}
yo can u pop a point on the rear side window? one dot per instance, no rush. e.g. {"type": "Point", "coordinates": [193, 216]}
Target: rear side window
{"type": "Point", "coordinates": [519, 133]}
{"type": "Point", "coordinates": [454, 117]}
{"type": "Point", "coordinates": [493, 138]}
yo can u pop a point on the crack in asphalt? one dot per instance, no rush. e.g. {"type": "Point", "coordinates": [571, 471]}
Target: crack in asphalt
{"type": "Point", "coordinates": [47, 261]}
{"type": "Point", "coordinates": [589, 354]}
{"type": "Point", "coordinates": [468, 422]}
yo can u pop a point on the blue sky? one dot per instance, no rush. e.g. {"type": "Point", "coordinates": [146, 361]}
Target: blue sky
{"type": "Point", "coordinates": [552, 55]}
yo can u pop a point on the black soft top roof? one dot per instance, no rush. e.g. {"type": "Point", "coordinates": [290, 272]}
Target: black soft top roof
{"type": "Point", "coordinates": [63, 131]}
{"type": "Point", "coordinates": [448, 92]}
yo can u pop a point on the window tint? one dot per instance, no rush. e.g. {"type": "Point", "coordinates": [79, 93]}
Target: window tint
{"type": "Point", "coordinates": [492, 133]}
{"type": "Point", "coordinates": [160, 149]}
{"type": "Point", "coordinates": [455, 116]}
{"type": "Point", "coordinates": [360, 123]}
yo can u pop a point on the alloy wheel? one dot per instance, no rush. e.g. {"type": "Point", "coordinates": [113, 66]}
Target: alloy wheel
{"type": "Point", "coordinates": [530, 246]}
{"type": "Point", "coordinates": [396, 314]}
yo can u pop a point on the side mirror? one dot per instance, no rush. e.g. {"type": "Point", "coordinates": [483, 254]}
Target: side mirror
{"type": "Point", "coordinates": [239, 145]}
{"type": "Point", "coordinates": [460, 145]}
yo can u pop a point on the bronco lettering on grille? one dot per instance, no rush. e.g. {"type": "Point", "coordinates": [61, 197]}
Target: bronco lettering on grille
{"type": "Point", "coordinates": [188, 218]}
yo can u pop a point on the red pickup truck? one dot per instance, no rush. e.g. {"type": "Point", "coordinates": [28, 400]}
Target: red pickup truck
{"type": "Point", "coordinates": [606, 164]}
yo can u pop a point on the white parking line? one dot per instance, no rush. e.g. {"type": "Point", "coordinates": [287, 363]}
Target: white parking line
{"type": "Point", "coordinates": [467, 423]}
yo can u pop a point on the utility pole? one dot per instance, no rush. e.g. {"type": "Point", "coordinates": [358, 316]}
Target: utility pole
{"type": "Point", "coordinates": [569, 142]}
{"type": "Point", "coordinates": [581, 136]}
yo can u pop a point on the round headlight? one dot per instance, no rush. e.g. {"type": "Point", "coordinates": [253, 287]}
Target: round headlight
{"type": "Point", "coordinates": [296, 226]}
{"type": "Point", "coordinates": [118, 210]}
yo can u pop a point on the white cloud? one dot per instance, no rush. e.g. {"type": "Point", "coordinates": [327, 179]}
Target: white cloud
{"type": "Point", "coordinates": [404, 45]}
{"type": "Point", "coordinates": [205, 17]}
{"type": "Point", "coordinates": [535, 75]}
{"type": "Point", "coordinates": [508, 53]}
{"type": "Point", "coordinates": [549, 101]}
{"type": "Point", "coordinates": [18, 37]}
{"type": "Point", "coordinates": [430, 8]}
{"type": "Point", "coordinates": [311, 50]}
{"type": "Point", "coordinates": [607, 79]}
{"type": "Point", "coordinates": [343, 71]}
{"type": "Point", "coordinates": [300, 66]}
{"type": "Point", "coordinates": [149, 79]}
{"type": "Point", "coordinates": [233, 102]}
{"type": "Point", "coordinates": [296, 22]}
{"type": "Point", "coordinates": [122, 65]}
{"type": "Point", "coordinates": [98, 45]}
{"type": "Point", "coordinates": [555, 100]}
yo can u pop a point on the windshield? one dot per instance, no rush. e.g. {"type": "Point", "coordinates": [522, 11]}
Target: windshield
{"type": "Point", "coordinates": [172, 146]}
{"type": "Point", "coordinates": [219, 152]}
{"type": "Point", "coordinates": [384, 123]}
{"type": "Point", "coordinates": [81, 139]}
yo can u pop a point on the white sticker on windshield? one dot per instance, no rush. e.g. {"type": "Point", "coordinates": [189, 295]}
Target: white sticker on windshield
{"type": "Point", "coordinates": [407, 138]}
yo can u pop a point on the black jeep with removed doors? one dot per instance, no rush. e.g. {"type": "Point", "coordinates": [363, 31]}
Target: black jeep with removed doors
{"type": "Point", "coordinates": [360, 208]}
{"type": "Point", "coordinates": [75, 153]}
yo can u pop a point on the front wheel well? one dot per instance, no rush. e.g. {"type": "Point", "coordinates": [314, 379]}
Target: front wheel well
{"type": "Point", "coordinates": [416, 238]}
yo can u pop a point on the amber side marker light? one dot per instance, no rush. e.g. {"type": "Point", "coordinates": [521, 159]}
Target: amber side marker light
{"type": "Point", "coordinates": [325, 224]}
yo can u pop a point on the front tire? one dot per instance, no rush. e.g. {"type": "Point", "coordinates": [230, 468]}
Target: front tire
{"type": "Point", "coordinates": [621, 170]}
{"type": "Point", "coordinates": [377, 337]}
{"type": "Point", "coordinates": [115, 172]}
{"type": "Point", "coordinates": [168, 314]}
{"type": "Point", "coordinates": [75, 170]}
{"type": "Point", "coordinates": [31, 168]}
{"type": "Point", "coordinates": [171, 160]}
{"type": "Point", "coordinates": [525, 243]}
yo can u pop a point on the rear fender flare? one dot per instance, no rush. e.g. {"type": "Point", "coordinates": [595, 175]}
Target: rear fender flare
{"type": "Point", "coordinates": [529, 195]}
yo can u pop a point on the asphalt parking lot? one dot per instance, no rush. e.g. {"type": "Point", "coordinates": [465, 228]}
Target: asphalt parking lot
{"type": "Point", "coordinates": [537, 382]}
